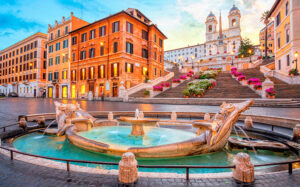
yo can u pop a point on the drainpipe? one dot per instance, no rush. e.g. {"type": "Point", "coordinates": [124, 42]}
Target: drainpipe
{"type": "Point", "coordinates": [107, 77]}
{"type": "Point", "coordinates": [78, 57]}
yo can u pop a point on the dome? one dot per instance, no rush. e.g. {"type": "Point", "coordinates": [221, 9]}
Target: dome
{"type": "Point", "coordinates": [211, 14]}
{"type": "Point", "coordinates": [234, 8]}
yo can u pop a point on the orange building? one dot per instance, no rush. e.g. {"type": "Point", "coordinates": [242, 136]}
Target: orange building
{"type": "Point", "coordinates": [23, 67]}
{"type": "Point", "coordinates": [270, 37]}
{"type": "Point", "coordinates": [122, 49]}
{"type": "Point", "coordinates": [59, 41]}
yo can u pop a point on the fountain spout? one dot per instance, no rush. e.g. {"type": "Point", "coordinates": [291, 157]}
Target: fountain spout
{"type": "Point", "coordinates": [137, 112]}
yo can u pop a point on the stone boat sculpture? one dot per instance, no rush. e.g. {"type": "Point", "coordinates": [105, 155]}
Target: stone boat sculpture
{"type": "Point", "coordinates": [211, 136]}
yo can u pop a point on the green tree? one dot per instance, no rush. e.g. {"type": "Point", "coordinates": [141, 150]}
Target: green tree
{"type": "Point", "coordinates": [246, 48]}
{"type": "Point", "coordinates": [265, 19]}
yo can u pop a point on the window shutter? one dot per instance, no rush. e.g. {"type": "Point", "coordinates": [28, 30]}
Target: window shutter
{"type": "Point", "coordinates": [131, 28]}
{"type": "Point", "coordinates": [118, 69]}
{"type": "Point", "coordinates": [112, 70]}
{"type": "Point", "coordinates": [126, 67]}
{"type": "Point", "coordinates": [131, 68]}
{"type": "Point", "coordinates": [89, 70]}
{"type": "Point", "coordinates": [81, 74]}
{"type": "Point", "coordinates": [113, 27]}
{"type": "Point", "coordinates": [62, 75]}
{"type": "Point", "coordinates": [98, 69]}
{"type": "Point", "coordinates": [131, 48]}
{"type": "Point", "coordinates": [127, 23]}
{"type": "Point", "coordinates": [103, 71]}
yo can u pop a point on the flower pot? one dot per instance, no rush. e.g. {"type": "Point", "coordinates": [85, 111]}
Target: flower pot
{"type": "Point", "coordinates": [194, 94]}
{"type": "Point", "coordinates": [198, 95]}
{"type": "Point", "coordinates": [271, 96]}
{"type": "Point", "coordinates": [186, 96]}
{"type": "Point", "coordinates": [292, 75]}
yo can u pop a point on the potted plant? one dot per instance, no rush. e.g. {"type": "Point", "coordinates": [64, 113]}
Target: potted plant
{"type": "Point", "coordinates": [157, 88]}
{"type": "Point", "coordinates": [175, 82]}
{"type": "Point", "coordinates": [257, 86]}
{"type": "Point", "coordinates": [186, 93]}
{"type": "Point", "coordinates": [199, 93]}
{"type": "Point", "coordinates": [146, 93]}
{"type": "Point", "coordinates": [292, 72]}
{"type": "Point", "coordinates": [270, 93]}
{"type": "Point", "coordinates": [183, 77]}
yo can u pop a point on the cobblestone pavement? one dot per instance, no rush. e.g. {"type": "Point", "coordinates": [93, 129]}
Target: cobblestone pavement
{"type": "Point", "coordinates": [10, 108]}
{"type": "Point", "coordinates": [18, 173]}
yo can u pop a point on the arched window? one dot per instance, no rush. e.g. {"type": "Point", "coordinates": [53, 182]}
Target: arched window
{"type": "Point", "coordinates": [209, 28]}
{"type": "Point", "coordinates": [233, 22]}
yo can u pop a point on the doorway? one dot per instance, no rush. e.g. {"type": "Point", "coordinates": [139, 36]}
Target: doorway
{"type": "Point", "coordinates": [50, 92]}
{"type": "Point", "coordinates": [115, 89]}
{"type": "Point", "coordinates": [65, 91]}
{"type": "Point", "coordinates": [34, 92]}
{"type": "Point", "coordinates": [57, 91]}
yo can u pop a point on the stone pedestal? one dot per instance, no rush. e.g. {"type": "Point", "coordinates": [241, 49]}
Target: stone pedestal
{"type": "Point", "coordinates": [128, 171]}
{"type": "Point", "coordinates": [248, 123]}
{"type": "Point", "coordinates": [266, 85]}
{"type": "Point", "coordinates": [23, 123]}
{"type": "Point", "coordinates": [173, 116]}
{"type": "Point", "coordinates": [206, 117]}
{"type": "Point", "coordinates": [296, 132]}
{"type": "Point", "coordinates": [110, 116]}
{"type": "Point", "coordinates": [244, 169]}
{"type": "Point", "coordinates": [137, 129]}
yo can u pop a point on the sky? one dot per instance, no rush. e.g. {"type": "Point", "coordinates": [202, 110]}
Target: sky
{"type": "Point", "coordinates": [182, 21]}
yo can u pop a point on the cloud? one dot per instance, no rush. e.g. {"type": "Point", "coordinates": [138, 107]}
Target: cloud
{"type": "Point", "coordinates": [11, 21]}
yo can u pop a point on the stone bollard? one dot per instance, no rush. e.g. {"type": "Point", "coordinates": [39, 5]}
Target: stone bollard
{"type": "Point", "coordinates": [128, 171]}
{"type": "Point", "coordinates": [23, 123]}
{"type": "Point", "coordinates": [206, 117]}
{"type": "Point", "coordinates": [110, 116]}
{"type": "Point", "coordinates": [244, 169]}
{"type": "Point", "coordinates": [296, 132]}
{"type": "Point", "coordinates": [173, 116]}
{"type": "Point", "coordinates": [41, 122]}
{"type": "Point", "coordinates": [141, 115]}
{"type": "Point", "coordinates": [248, 123]}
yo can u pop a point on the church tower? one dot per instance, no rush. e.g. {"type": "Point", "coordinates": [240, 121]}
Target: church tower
{"type": "Point", "coordinates": [234, 17]}
{"type": "Point", "coordinates": [211, 26]}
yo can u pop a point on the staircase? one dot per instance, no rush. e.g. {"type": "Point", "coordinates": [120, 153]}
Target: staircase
{"type": "Point", "coordinates": [282, 89]}
{"type": "Point", "coordinates": [177, 74]}
{"type": "Point", "coordinates": [227, 87]}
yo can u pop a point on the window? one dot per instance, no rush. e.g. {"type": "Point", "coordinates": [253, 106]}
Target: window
{"type": "Point", "coordinates": [233, 22]}
{"type": "Point", "coordinates": [101, 51]}
{"type": "Point", "coordinates": [155, 38]}
{"type": "Point", "coordinates": [145, 71]}
{"type": "Point", "coordinates": [287, 8]}
{"type": "Point", "coordinates": [145, 35]}
{"type": "Point", "coordinates": [129, 47]}
{"type": "Point", "coordinates": [101, 71]}
{"type": "Point", "coordinates": [66, 30]}
{"type": "Point", "coordinates": [279, 64]}
{"type": "Point", "coordinates": [115, 70]}
{"type": "Point", "coordinates": [50, 61]}
{"type": "Point", "coordinates": [91, 72]}
{"type": "Point", "coordinates": [65, 58]}
{"type": "Point", "coordinates": [145, 53]}
{"type": "Point", "coordinates": [82, 74]}
{"type": "Point", "coordinates": [73, 57]}
{"type": "Point", "coordinates": [58, 33]}
{"type": "Point", "coordinates": [91, 52]}
{"type": "Point", "coordinates": [209, 28]}
{"type": "Point", "coordinates": [278, 41]}
{"type": "Point", "coordinates": [56, 74]}
{"type": "Point", "coordinates": [44, 76]}
{"type": "Point", "coordinates": [57, 46]}
{"type": "Point", "coordinates": [115, 26]}
{"type": "Point", "coordinates": [82, 89]}
{"type": "Point", "coordinates": [287, 36]}
{"type": "Point", "coordinates": [155, 55]}
{"type": "Point", "coordinates": [83, 37]}
{"type": "Point", "coordinates": [278, 19]}
{"type": "Point", "coordinates": [102, 31]}
{"type": "Point", "coordinates": [64, 74]}
{"type": "Point", "coordinates": [35, 44]}
{"type": "Point", "coordinates": [73, 78]}
{"type": "Point", "coordinates": [129, 27]}
{"type": "Point", "coordinates": [45, 64]}
{"type": "Point", "coordinates": [115, 47]}
{"type": "Point", "coordinates": [35, 54]}
{"type": "Point", "coordinates": [74, 40]}
{"type": "Point", "coordinates": [57, 60]}
{"type": "Point", "coordinates": [160, 42]}
{"type": "Point", "coordinates": [31, 47]}
{"type": "Point", "coordinates": [49, 77]}
{"type": "Point", "coordinates": [92, 34]}
{"type": "Point", "coordinates": [65, 43]}
{"type": "Point", "coordinates": [128, 68]}
{"type": "Point", "coordinates": [288, 60]}
{"type": "Point", "coordinates": [51, 36]}
{"type": "Point", "coordinates": [82, 55]}
{"type": "Point", "coordinates": [51, 49]}
{"type": "Point", "coordinates": [155, 71]}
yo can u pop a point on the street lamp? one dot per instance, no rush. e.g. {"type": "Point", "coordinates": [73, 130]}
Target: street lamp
{"type": "Point", "coordinates": [296, 61]}
{"type": "Point", "coordinates": [192, 57]}
{"type": "Point", "coordinates": [250, 52]}
{"type": "Point", "coordinates": [232, 58]}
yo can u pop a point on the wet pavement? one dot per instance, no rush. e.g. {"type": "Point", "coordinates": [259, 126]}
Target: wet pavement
{"type": "Point", "coordinates": [10, 108]}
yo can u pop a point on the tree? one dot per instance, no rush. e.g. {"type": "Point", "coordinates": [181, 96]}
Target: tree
{"type": "Point", "coordinates": [265, 19]}
{"type": "Point", "coordinates": [246, 48]}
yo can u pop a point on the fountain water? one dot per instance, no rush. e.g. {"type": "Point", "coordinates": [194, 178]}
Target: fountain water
{"type": "Point", "coordinates": [52, 122]}
{"type": "Point", "coordinates": [247, 137]}
{"type": "Point", "coordinates": [137, 112]}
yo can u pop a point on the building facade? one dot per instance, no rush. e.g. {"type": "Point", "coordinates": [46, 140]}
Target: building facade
{"type": "Point", "coordinates": [123, 49]}
{"type": "Point", "coordinates": [286, 15]}
{"type": "Point", "coordinates": [23, 67]}
{"type": "Point", "coordinates": [59, 42]}
{"type": "Point", "coordinates": [219, 42]}
{"type": "Point", "coordinates": [270, 39]}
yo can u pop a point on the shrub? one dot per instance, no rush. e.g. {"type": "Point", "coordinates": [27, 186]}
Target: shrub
{"type": "Point", "coordinates": [186, 92]}
{"type": "Point", "coordinates": [270, 92]}
{"type": "Point", "coordinates": [292, 72]}
{"type": "Point", "coordinates": [146, 92]}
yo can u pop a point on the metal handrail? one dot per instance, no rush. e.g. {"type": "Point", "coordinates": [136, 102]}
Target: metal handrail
{"type": "Point", "coordinates": [187, 167]}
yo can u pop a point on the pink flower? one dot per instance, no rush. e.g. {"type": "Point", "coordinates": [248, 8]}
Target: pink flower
{"type": "Point", "coordinates": [157, 88]}
{"type": "Point", "coordinates": [183, 77]}
{"type": "Point", "coordinates": [176, 80]}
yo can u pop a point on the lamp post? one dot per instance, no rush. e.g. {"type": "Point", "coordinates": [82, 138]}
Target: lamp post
{"type": "Point", "coordinates": [232, 58]}
{"type": "Point", "coordinates": [192, 57]}
{"type": "Point", "coordinates": [296, 61]}
{"type": "Point", "coordinates": [250, 52]}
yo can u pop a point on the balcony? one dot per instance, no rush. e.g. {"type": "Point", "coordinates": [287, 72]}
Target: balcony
{"type": "Point", "coordinates": [55, 81]}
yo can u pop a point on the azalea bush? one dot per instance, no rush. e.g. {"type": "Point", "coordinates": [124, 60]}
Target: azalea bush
{"type": "Point", "coordinates": [253, 81]}
{"type": "Point", "coordinates": [166, 84]}
{"type": "Point", "coordinates": [208, 74]}
{"type": "Point", "coordinates": [270, 92]}
{"type": "Point", "coordinates": [233, 69]}
{"type": "Point", "coordinates": [242, 78]}
{"type": "Point", "coordinates": [176, 80]}
{"type": "Point", "coordinates": [292, 72]}
{"type": "Point", "coordinates": [158, 88]}
{"type": "Point", "coordinates": [198, 87]}
{"type": "Point", "coordinates": [183, 77]}
{"type": "Point", "coordinates": [257, 86]}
